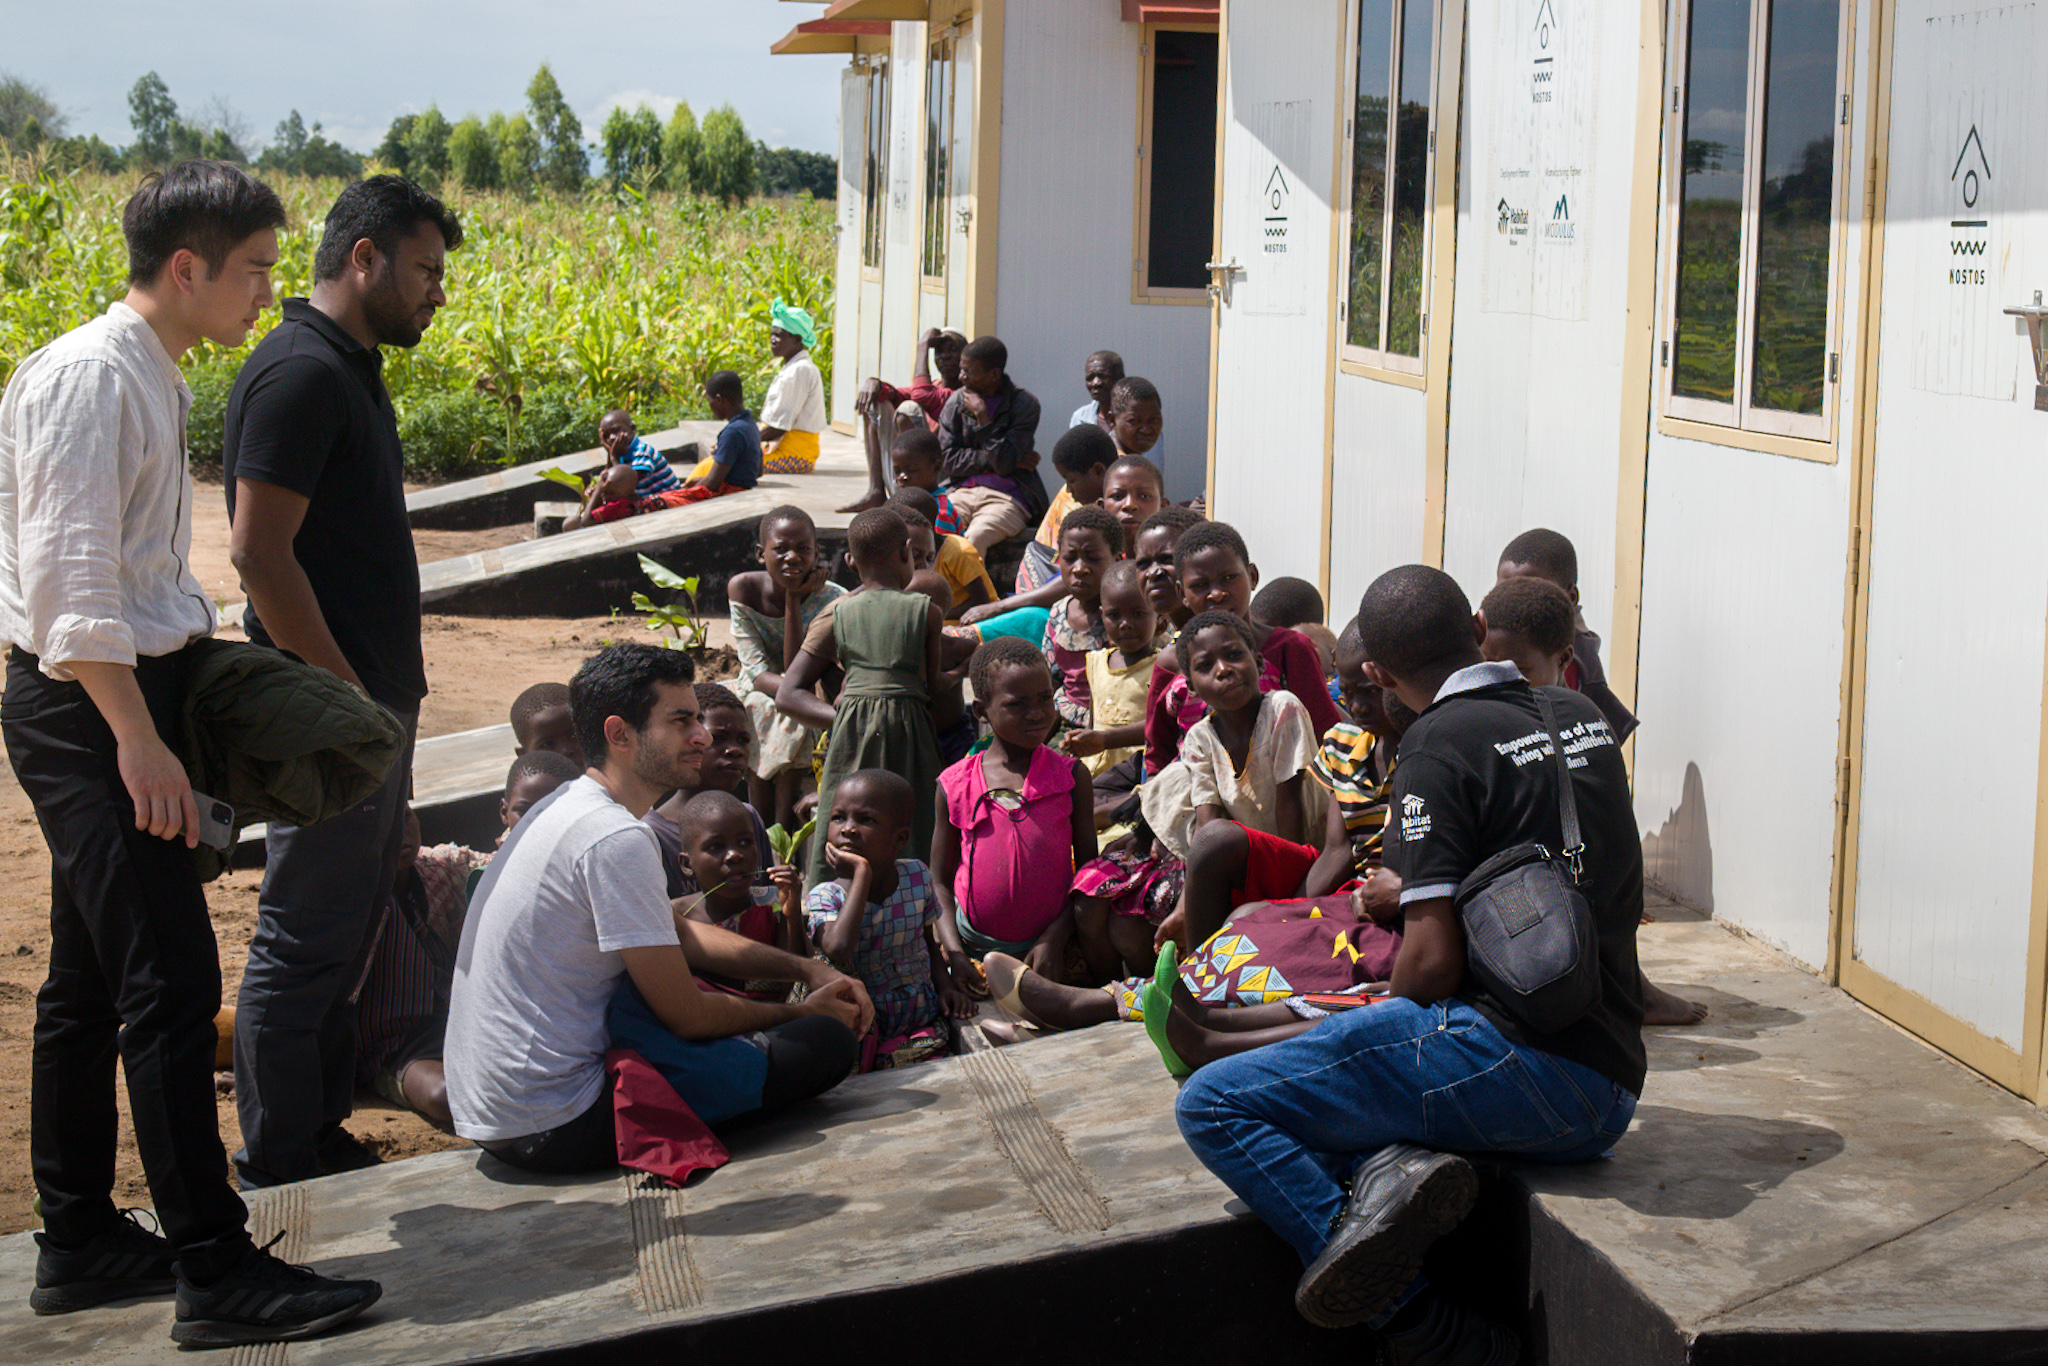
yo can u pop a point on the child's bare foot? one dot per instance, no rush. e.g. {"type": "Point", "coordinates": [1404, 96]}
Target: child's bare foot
{"type": "Point", "coordinates": [873, 498]}
{"type": "Point", "coordinates": [1661, 1007]}
{"type": "Point", "coordinates": [1039, 1001]}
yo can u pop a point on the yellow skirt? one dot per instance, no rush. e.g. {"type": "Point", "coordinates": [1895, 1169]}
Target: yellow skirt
{"type": "Point", "coordinates": [793, 453]}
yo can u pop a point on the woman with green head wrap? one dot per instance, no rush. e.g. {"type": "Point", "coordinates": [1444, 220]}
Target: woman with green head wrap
{"type": "Point", "coordinates": [793, 413]}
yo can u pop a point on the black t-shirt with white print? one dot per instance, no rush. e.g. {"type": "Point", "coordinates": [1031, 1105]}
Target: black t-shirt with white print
{"type": "Point", "coordinates": [1476, 777]}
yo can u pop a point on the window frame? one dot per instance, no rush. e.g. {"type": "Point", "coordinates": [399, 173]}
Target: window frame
{"type": "Point", "coordinates": [938, 198]}
{"type": "Point", "coordinates": [1739, 422]}
{"type": "Point", "coordinates": [1379, 362]}
{"type": "Point", "coordinates": [875, 166]}
{"type": "Point", "coordinates": [1143, 292]}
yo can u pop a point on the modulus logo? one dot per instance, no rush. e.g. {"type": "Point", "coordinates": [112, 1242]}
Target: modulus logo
{"type": "Point", "coordinates": [1276, 197]}
{"type": "Point", "coordinates": [1561, 228]}
{"type": "Point", "coordinates": [1969, 238]}
{"type": "Point", "coordinates": [1514, 222]}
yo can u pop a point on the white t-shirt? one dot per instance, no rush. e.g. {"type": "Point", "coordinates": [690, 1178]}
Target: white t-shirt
{"type": "Point", "coordinates": [577, 880]}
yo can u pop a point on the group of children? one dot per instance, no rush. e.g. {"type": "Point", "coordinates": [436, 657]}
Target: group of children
{"type": "Point", "coordinates": [1140, 777]}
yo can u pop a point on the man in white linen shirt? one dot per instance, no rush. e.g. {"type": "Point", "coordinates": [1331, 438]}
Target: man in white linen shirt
{"type": "Point", "coordinates": [98, 600]}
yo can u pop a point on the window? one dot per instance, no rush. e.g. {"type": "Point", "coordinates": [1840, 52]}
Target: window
{"type": "Point", "coordinates": [1177, 164]}
{"type": "Point", "coordinates": [1751, 237]}
{"type": "Point", "coordinates": [875, 165]}
{"type": "Point", "coordinates": [1390, 171]}
{"type": "Point", "coordinates": [939, 94]}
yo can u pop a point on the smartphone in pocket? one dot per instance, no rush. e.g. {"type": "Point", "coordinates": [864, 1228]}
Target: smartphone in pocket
{"type": "Point", "coordinates": [216, 821]}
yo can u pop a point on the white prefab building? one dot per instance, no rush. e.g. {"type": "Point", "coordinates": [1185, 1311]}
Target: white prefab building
{"type": "Point", "coordinates": [1744, 296]}
{"type": "Point", "coordinates": [1042, 170]}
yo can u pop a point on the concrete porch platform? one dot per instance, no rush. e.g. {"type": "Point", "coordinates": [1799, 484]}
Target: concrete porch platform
{"type": "Point", "coordinates": [1804, 1184]}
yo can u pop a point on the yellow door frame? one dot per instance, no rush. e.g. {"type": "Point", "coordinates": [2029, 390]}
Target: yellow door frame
{"type": "Point", "coordinates": [2019, 1070]}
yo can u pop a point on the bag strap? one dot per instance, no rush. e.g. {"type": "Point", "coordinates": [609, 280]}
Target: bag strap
{"type": "Point", "coordinates": [1567, 801]}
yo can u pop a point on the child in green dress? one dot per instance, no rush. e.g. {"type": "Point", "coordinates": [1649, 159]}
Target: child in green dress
{"type": "Point", "coordinates": [887, 642]}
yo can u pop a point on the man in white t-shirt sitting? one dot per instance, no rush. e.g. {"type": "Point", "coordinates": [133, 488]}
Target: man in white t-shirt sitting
{"type": "Point", "coordinates": [574, 912]}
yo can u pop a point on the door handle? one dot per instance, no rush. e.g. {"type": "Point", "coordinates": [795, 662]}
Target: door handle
{"type": "Point", "coordinates": [1220, 273]}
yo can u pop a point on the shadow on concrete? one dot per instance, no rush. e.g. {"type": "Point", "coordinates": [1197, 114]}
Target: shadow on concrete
{"type": "Point", "coordinates": [582, 1245]}
{"type": "Point", "coordinates": [765, 1214]}
{"type": "Point", "coordinates": [809, 1124]}
{"type": "Point", "coordinates": [1678, 857]}
{"type": "Point", "coordinates": [1678, 1050]}
{"type": "Point", "coordinates": [1735, 1017]}
{"type": "Point", "coordinates": [1706, 1166]}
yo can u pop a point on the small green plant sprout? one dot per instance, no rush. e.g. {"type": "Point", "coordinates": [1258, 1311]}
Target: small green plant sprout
{"type": "Point", "coordinates": [686, 630]}
{"type": "Point", "coordinates": [557, 475]}
{"type": "Point", "coordinates": [785, 844]}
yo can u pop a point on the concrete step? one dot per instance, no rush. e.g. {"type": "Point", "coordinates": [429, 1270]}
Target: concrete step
{"type": "Point", "coordinates": [505, 496]}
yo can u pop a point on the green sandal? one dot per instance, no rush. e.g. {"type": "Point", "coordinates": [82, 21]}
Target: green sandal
{"type": "Point", "coordinates": [1158, 1003]}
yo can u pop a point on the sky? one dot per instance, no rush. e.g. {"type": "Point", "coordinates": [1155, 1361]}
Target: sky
{"type": "Point", "coordinates": [355, 67]}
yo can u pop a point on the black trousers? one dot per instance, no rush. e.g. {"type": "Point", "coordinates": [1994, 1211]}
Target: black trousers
{"type": "Point", "coordinates": [134, 973]}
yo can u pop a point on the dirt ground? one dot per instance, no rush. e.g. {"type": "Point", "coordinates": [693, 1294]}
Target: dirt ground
{"type": "Point", "coordinates": [475, 667]}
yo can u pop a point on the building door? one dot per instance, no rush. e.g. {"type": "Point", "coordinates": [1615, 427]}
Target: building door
{"type": "Point", "coordinates": [1943, 923]}
{"type": "Point", "coordinates": [874, 223]}
{"type": "Point", "coordinates": [853, 95]}
{"type": "Point", "coordinates": [1270, 370]}
{"type": "Point", "coordinates": [960, 180]}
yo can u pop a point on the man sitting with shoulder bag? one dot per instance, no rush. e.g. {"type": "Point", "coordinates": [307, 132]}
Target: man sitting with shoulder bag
{"type": "Point", "coordinates": [1473, 1053]}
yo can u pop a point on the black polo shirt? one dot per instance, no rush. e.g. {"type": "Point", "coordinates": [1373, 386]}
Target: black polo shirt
{"type": "Point", "coordinates": [309, 413]}
{"type": "Point", "coordinates": [1476, 777]}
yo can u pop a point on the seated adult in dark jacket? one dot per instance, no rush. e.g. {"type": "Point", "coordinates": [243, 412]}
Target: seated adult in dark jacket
{"type": "Point", "coordinates": [987, 432]}
{"type": "Point", "coordinates": [1391, 1091]}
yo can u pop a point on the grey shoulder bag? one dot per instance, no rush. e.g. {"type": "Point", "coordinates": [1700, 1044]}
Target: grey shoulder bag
{"type": "Point", "coordinates": [1529, 938]}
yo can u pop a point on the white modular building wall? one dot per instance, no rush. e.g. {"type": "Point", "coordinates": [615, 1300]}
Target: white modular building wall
{"type": "Point", "coordinates": [1378, 486]}
{"type": "Point", "coordinates": [1071, 90]}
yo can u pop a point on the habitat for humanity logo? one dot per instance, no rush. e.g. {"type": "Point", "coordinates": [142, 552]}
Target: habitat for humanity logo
{"type": "Point", "coordinates": [1969, 237]}
{"type": "Point", "coordinates": [1514, 222]}
{"type": "Point", "coordinates": [1561, 228]}
{"type": "Point", "coordinates": [1414, 820]}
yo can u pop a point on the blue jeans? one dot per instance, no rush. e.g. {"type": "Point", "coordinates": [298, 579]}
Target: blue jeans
{"type": "Point", "coordinates": [1282, 1125]}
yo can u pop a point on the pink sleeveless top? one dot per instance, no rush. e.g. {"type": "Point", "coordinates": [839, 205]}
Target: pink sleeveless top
{"type": "Point", "coordinates": [1016, 856]}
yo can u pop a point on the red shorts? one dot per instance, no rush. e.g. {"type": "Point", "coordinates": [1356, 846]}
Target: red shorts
{"type": "Point", "coordinates": [611, 512]}
{"type": "Point", "coordinates": [1273, 868]}
{"type": "Point", "coordinates": [696, 493]}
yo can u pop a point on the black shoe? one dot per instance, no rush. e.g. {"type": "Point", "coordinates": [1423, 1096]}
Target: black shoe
{"type": "Point", "coordinates": [266, 1300]}
{"type": "Point", "coordinates": [124, 1263]}
{"type": "Point", "coordinates": [1403, 1198]}
{"type": "Point", "coordinates": [1447, 1334]}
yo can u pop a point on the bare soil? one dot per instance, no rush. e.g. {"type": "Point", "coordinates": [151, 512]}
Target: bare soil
{"type": "Point", "coordinates": [475, 667]}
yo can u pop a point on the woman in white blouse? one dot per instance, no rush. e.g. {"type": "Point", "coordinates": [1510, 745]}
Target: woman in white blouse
{"type": "Point", "coordinates": [793, 413]}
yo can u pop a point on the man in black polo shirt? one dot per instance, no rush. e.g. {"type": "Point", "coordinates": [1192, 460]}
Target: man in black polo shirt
{"type": "Point", "coordinates": [316, 494]}
{"type": "Point", "coordinates": [1386, 1094]}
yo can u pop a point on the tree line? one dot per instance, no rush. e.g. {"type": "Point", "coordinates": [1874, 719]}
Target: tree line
{"type": "Point", "coordinates": [539, 149]}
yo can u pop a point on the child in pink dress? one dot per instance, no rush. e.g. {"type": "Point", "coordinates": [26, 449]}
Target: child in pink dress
{"type": "Point", "coordinates": [1013, 822]}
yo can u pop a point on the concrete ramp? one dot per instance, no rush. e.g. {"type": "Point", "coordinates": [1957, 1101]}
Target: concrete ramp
{"type": "Point", "coordinates": [506, 496]}
{"type": "Point", "coordinates": [590, 571]}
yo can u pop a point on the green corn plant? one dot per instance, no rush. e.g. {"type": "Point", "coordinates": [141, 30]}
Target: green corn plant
{"type": "Point", "coordinates": [686, 630]}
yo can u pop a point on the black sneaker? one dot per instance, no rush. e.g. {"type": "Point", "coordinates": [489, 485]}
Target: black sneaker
{"type": "Point", "coordinates": [1403, 1198]}
{"type": "Point", "coordinates": [1444, 1333]}
{"type": "Point", "coordinates": [266, 1300]}
{"type": "Point", "coordinates": [124, 1263]}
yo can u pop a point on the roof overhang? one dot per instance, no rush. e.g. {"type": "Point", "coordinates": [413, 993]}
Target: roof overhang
{"type": "Point", "coordinates": [1172, 11]}
{"type": "Point", "coordinates": [918, 11]}
{"type": "Point", "coordinates": [828, 35]}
